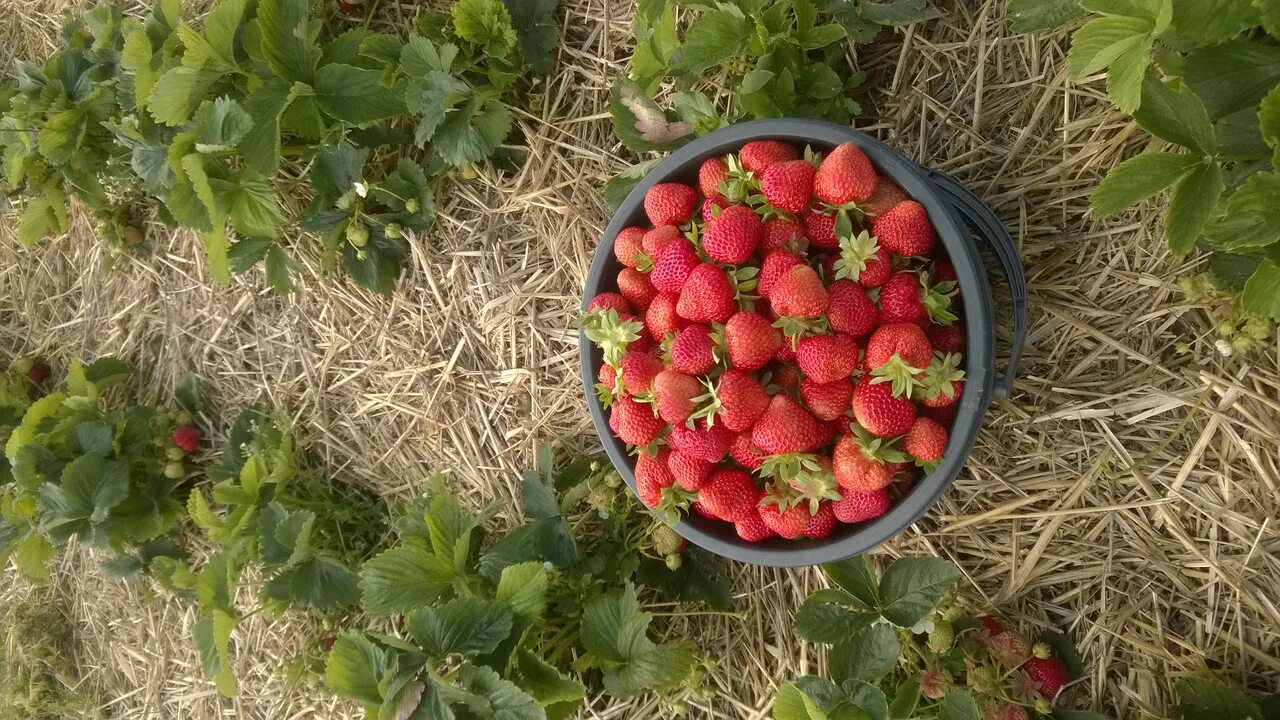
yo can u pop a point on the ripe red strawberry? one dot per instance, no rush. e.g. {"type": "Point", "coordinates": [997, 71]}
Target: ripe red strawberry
{"type": "Point", "coordinates": [882, 414]}
{"type": "Point", "coordinates": [863, 260]}
{"type": "Point", "coordinates": [845, 176]}
{"type": "Point", "coordinates": [821, 524]}
{"type": "Point", "coordinates": [39, 372]}
{"type": "Point", "coordinates": [751, 339]}
{"type": "Point", "coordinates": [758, 155]}
{"type": "Point", "coordinates": [652, 477]}
{"type": "Point", "coordinates": [827, 358]}
{"type": "Point", "coordinates": [855, 507]}
{"type": "Point", "coordinates": [644, 343]}
{"type": "Point", "coordinates": [673, 393]}
{"type": "Point", "coordinates": [782, 234]}
{"type": "Point", "coordinates": [1047, 675]}
{"type": "Point", "coordinates": [608, 377]}
{"type": "Point", "coordinates": [925, 440]}
{"type": "Point", "coordinates": [788, 186]}
{"type": "Point", "coordinates": [788, 523]}
{"type": "Point", "coordinates": [820, 228]}
{"type": "Point", "coordinates": [707, 295]}
{"type": "Point", "coordinates": [745, 452]}
{"type": "Point", "coordinates": [904, 229]}
{"type": "Point", "coordinates": [628, 247]}
{"type": "Point", "coordinates": [673, 264]}
{"type": "Point", "coordinates": [655, 240]}
{"type": "Point", "coordinates": [349, 8]}
{"type": "Point", "coordinates": [787, 427]}
{"type": "Point", "coordinates": [992, 625]}
{"type": "Point", "coordinates": [799, 293]}
{"type": "Point", "coordinates": [694, 350]}
{"type": "Point", "coordinates": [636, 288]}
{"type": "Point", "coordinates": [670, 203]}
{"type": "Point", "coordinates": [661, 317]}
{"type": "Point", "coordinates": [638, 369]}
{"type": "Point", "coordinates": [887, 195]}
{"type": "Point", "coordinates": [733, 235]}
{"type": "Point", "coordinates": [828, 401]}
{"type": "Point", "coordinates": [905, 340]}
{"type": "Point", "coordinates": [787, 377]}
{"type": "Point", "coordinates": [944, 415]}
{"type": "Point", "coordinates": [710, 174]}
{"type": "Point", "coordinates": [752, 529]}
{"type": "Point", "coordinates": [946, 338]}
{"type": "Point", "coordinates": [850, 310]}
{"type": "Point", "coordinates": [186, 437]}
{"type": "Point", "coordinates": [713, 206]}
{"type": "Point", "coordinates": [900, 300]}
{"type": "Point", "coordinates": [633, 422]}
{"type": "Point", "coordinates": [700, 441]}
{"type": "Point", "coordinates": [943, 398]}
{"type": "Point", "coordinates": [786, 354]}
{"type": "Point", "coordinates": [775, 264]}
{"type": "Point", "coordinates": [1004, 711]}
{"type": "Point", "coordinates": [857, 472]}
{"type": "Point", "coordinates": [609, 301]}
{"type": "Point", "coordinates": [943, 271]}
{"type": "Point", "coordinates": [689, 471]}
{"type": "Point", "coordinates": [729, 495]}
{"type": "Point", "coordinates": [740, 400]}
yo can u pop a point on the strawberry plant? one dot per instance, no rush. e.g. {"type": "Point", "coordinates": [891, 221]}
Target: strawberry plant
{"type": "Point", "coordinates": [1202, 698]}
{"type": "Point", "coordinates": [1204, 80]}
{"type": "Point", "coordinates": [82, 465]}
{"type": "Point", "coordinates": [268, 510]}
{"type": "Point", "coordinates": [519, 626]}
{"type": "Point", "coordinates": [900, 647]}
{"type": "Point", "coordinates": [215, 125]}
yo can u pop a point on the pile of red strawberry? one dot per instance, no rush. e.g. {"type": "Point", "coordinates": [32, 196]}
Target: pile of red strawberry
{"type": "Point", "coordinates": [781, 351]}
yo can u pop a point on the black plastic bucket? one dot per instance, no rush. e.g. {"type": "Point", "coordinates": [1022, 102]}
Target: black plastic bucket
{"type": "Point", "coordinates": [957, 214]}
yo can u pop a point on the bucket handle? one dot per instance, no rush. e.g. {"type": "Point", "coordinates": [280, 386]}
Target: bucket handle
{"type": "Point", "coordinates": [987, 225]}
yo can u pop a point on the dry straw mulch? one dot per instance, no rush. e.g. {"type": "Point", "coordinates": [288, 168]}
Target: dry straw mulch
{"type": "Point", "coordinates": [1127, 491]}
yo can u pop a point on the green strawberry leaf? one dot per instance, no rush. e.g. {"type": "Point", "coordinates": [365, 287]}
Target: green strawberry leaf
{"type": "Point", "coordinates": [485, 23]}
{"type": "Point", "coordinates": [1029, 16]}
{"type": "Point", "coordinates": [793, 703]}
{"type": "Point", "coordinates": [1232, 76]}
{"type": "Point", "coordinates": [1213, 21]}
{"type": "Point", "coordinates": [868, 654]}
{"type": "Point", "coordinates": [1194, 198]}
{"type": "Point", "coordinates": [715, 37]}
{"type": "Point", "coordinates": [958, 705]}
{"type": "Point", "coordinates": [820, 620]}
{"type": "Point", "coordinates": [178, 92]}
{"type": "Point", "coordinates": [536, 31]}
{"type": "Point", "coordinates": [356, 95]}
{"type": "Point", "coordinates": [523, 588]}
{"type": "Point", "coordinates": [1175, 115]}
{"type": "Point", "coordinates": [912, 587]}
{"type": "Point", "coordinates": [460, 626]}
{"type": "Point", "coordinates": [1206, 699]}
{"type": "Point", "coordinates": [403, 579]}
{"type": "Point", "coordinates": [1139, 178]}
{"type": "Point", "coordinates": [90, 487]}
{"type": "Point", "coordinates": [1250, 217]}
{"type": "Point", "coordinates": [503, 699]}
{"type": "Point", "coordinates": [1261, 294]}
{"type": "Point", "coordinates": [640, 123]}
{"type": "Point", "coordinates": [315, 583]}
{"type": "Point", "coordinates": [856, 576]}
{"type": "Point", "coordinates": [288, 36]}
{"type": "Point", "coordinates": [357, 668]}
{"type": "Point", "coordinates": [212, 635]}
{"type": "Point", "coordinates": [545, 683]}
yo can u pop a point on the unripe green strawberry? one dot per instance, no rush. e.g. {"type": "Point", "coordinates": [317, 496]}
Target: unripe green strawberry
{"type": "Point", "coordinates": [674, 563]}
{"type": "Point", "coordinates": [1042, 650]}
{"type": "Point", "coordinates": [670, 203]}
{"type": "Point", "coordinates": [174, 454]}
{"type": "Point", "coordinates": [393, 231]}
{"type": "Point", "coordinates": [601, 497]}
{"type": "Point", "coordinates": [942, 637]}
{"type": "Point", "coordinates": [357, 234]}
{"type": "Point", "coordinates": [982, 679]}
{"type": "Point", "coordinates": [845, 176]}
{"type": "Point", "coordinates": [666, 541]}
{"type": "Point", "coordinates": [788, 186]}
{"type": "Point", "coordinates": [732, 236]}
{"type": "Point", "coordinates": [412, 205]}
{"type": "Point", "coordinates": [175, 471]}
{"type": "Point", "coordinates": [904, 229]}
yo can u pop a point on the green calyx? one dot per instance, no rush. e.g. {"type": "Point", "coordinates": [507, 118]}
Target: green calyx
{"type": "Point", "coordinates": [883, 450]}
{"type": "Point", "coordinates": [797, 327]}
{"type": "Point", "coordinates": [904, 377]}
{"type": "Point", "coordinates": [709, 404]}
{"type": "Point", "coordinates": [939, 376]}
{"type": "Point", "coordinates": [798, 478]}
{"type": "Point", "coordinates": [610, 333]}
{"type": "Point", "coordinates": [937, 300]}
{"type": "Point", "coordinates": [675, 501]}
{"type": "Point", "coordinates": [856, 251]}
{"type": "Point", "coordinates": [740, 184]}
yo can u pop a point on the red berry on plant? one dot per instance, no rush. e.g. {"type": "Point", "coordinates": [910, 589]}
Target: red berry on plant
{"type": "Point", "coordinates": [39, 372]}
{"type": "Point", "coordinates": [1046, 675]}
{"type": "Point", "coordinates": [186, 437]}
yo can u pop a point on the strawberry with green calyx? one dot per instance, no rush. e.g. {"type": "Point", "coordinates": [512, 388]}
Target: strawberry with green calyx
{"type": "Point", "coordinates": [786, 427]}
{"type": "Point", "coordinates": [652, 477]}
{"type": "Point", "coordinates": [947, 338]}
{"type": "Point", "coordinates": [850, 310]}
{"type": "Point", "coordinates": [666, 541]}
{"type": "Point", "coordinates": [898, 354]}
{"type": "Point", "coordinates": [733, 235]}
{"type": "Point", "coordinates": [935, 682]}
{"type": "Point", "coordinates": [862, 259]}
{"type": "Point", "coordinates": [713, 206]}
{"type": "Point", "coordinates": [740, 183]}
{"type": "Point", "coordinates": [856, 507]}
{"type": "Point", "coordinates": [821, 524]}
{"type": "Point", "coordinates": [937, 300]}
{"type": "Point", "coordinates": [863, 463]}
{"type": "Point", "coordinates": [675, 501]}
{"type": "Point", "coordinates": [925, 441]}
{"type": "Point", "coordinates": [636, 371]}
{"type": "Point", "coordinates": [607, 301]}
{"type": "Point", "coordinates": [820, 229]}
{"type": "Point", "coordinates": [1008, 648]}
{"type": "Point", "coordinates": [904, 229]}
{"type": "Point", "coordinates": [611, 333]}
{"type": "Point", "coordinates": [729, 495]}
{"type": "Point", "coordinates": [607, 385]}
{"type": "Point", "coordinates": [711, 174]}
{"type": "Point", "coordinates": [887, 194]}
{"type": "Point", "coordinates": [670, 203]}
{"type": "Point", "coordinates": [636, 288]}
{"type": "Point", "coordinates": [942, 382]}
{"type": "Point", "coordinates": [673, 265]}
{"type": "Point", "coordinates": [758, 156]}
{"type": "Point", "coordinates": [783, 517]}
{"type": "Point", "coordinates": [1045, 676]}
{"type": "Point", "coordinates": [690, 472]}
{"type": "Point", "coordinates": [882, 413]}
{"type": "Point", "coordinates": [827, 358]}
{"type": "Point", "coordinates": [901, 299]}
{"type": "Point", "coordinates": [735, 399]}
{"type": "Point", "coordinates": [788, 186]}
{"type": "Point", "coordinates": [707, 295]}
{"type": "Point", "coordinates": [708, 442]}
{"type": "Point", "coordinates": [675, 395]}
{"type": "Point", "coordinates": [634, 422]}
{"type": "Point", "coordinates": [628, 246]}
{"type": "Point", "coordinates": [845, 177]}
{"type": "Point", "coordinates": [782, 233]}
{"type": "Point", "coordinates": [799, 299]}
{"type": "Point", "coordinates": [745, 279]}
{"type": "Point", "coordinates": [751, 340]}
{"type": "Point", "coordinates": [695, 350]}
{"type": "Point", "coordinates": [801, 478]}
{"type": "Point", "coordinates": [745, 453]}
{"type": "Point", "coordinates": [827, 401]}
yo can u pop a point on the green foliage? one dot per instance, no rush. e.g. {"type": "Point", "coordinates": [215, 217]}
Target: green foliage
{"type": "Point", "coordinates": [83, 465]}
{"type": "Point", "coordinates": [303, 535]}
{"type": "Point", "coordinates": [200, 121]}
{"type": "Point", "coordinates": [900, 648]}
{"type": "Point", "coordinates": [510, 626]}
{"type": "Point", "coordinates": [1214, 95]}
{"type": "Point", "coordinates": [1209, 699]}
